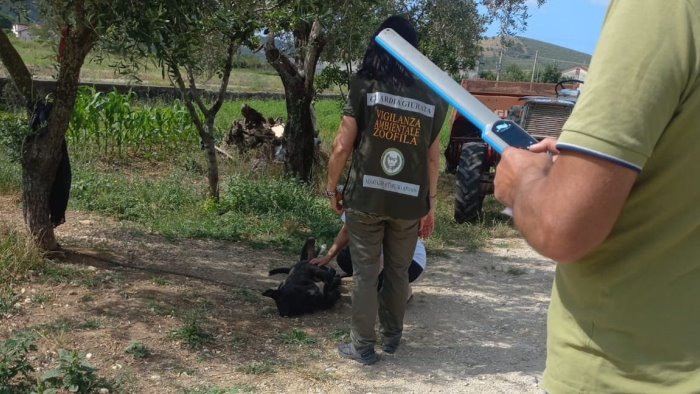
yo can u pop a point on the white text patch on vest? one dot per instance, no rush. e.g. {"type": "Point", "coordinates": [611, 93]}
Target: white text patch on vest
{"type": "Point", "coordinates": [375, 182]}
{"type": "Point", "coordinates": [398, 102]}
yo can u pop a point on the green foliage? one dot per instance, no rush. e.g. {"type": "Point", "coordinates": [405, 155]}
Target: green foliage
{"type": "Point", "coordinates": [137, 350]}
{"type": "Point", "coordinates": [276, 203]}
{"type": "Point", "coordinates": [257, 368]}
{"type": "Point", "coordinates": [5, 22]}
{"type": "Point", "coordinates": [296, 336]}
{"type": "Point", "coordinates": [550, 74]}
{"type": "Point", "coordinates": [13, 363]}
{"type": "Point", "coordinates": [449, 32]}
{"type": "Point", "coordinates": [73, 373]}
{"type": "Point", "coordinates": [18, 256]}
{"type": "Point", "coordinates": [13, 130]}
{"type": "Point", "coordinates": [332, 76]}
{"type": "Point", "coordinates": [10, 175]}
{"type": "Point", "coordinates": [488, 75]}
{"type": "Point", "coordinates": [340, 334]}
{"type": "Point", "coordinates": [113, 125]}
{"type": "Point", "coordinates": [514, 73]}
{"type": "Point", "coordinates": [511, 15]}
{"type": "Point", "coordinates": [142, 200]}
{"type": "Point", "coordinates": [8, 299]}
{"type": "Point", "coordinates": [192, 334]}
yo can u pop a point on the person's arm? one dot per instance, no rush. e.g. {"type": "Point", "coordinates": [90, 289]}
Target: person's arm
{"type": "Point", "coordinates": [341, 241]}
{"type": "Point", "coordinates": [342, 148]}
{"type": "Point", "coordinates": [563, 208]}
{"type": "Point", "coordinates": [427, 223]}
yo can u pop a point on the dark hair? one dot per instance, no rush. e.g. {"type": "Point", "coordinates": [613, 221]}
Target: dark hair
{"type": "Point", "coordinates": [378, 64]}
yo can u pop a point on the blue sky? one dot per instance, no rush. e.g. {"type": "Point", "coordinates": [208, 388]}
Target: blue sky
{"type": "Point", "coordinates": [573, 24]}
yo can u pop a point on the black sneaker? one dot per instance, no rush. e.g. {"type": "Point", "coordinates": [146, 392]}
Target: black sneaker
{"type": "Point", "coordinates": [366, 357]}
{"type": "Point", "coordinates": [389, 346]}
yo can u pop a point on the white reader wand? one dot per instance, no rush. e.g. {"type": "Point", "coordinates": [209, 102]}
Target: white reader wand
{"type": "Point", "coordinates": [497, 132]}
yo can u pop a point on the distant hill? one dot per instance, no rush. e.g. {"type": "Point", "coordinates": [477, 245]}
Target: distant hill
{"type": "Point", "coordinates": [521, 51]}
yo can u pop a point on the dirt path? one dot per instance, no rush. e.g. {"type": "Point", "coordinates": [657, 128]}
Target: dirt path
{"type": "Point", "coordinates": [476, 323]}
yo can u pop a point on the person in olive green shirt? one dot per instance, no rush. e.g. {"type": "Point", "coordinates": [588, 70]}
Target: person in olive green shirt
{"type": "Point", "coordinates": [390, 127]}
{"type": "Point", "coordinates": [618, 209]}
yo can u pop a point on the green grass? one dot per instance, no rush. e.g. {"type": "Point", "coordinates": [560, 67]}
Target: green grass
{"type": "Point", "coordinates": [10, 176]}
{"type": "Point", "coordinates": [296, 336]}
{"type": "Point", "coordinates": [272, 211]}
{"type": "Point", "coordinates": [137, 350]}
{"type": "Point", "coordinates": [18, 257]}
{"type": "Point", "coordinates": [192, 333]}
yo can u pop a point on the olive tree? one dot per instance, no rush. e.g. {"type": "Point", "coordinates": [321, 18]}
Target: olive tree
{"type": "Point", "coordinates": [170, 28]}
{"type": "Point", "coordinates": [81, 22]}
{"type": "Point", "coordinates": [191, 42]}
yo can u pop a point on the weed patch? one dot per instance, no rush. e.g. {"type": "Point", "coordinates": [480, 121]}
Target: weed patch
{"type": "Point", "coordinates": [297, 337]}
{"type": "Point", "coordinates": [340, 335]}
{"type": "Point", "coordinates": [14, 363]}
{"type": "Point", "coordinates": [18, 257]}
{"type": "Point", "coordinates": [73, 373]}
{"type": "Point", "coordinates": [137, 350]}
{"type": "Point", "coordinates": [192, 334]}
{"type": "Point", "coordinates": [257, 368]}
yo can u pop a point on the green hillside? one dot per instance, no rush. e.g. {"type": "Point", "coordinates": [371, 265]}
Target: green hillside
{"type": "Point", "coordinates": [521, 51]}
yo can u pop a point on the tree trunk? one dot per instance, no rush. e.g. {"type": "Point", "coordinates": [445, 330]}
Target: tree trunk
{"type": "Point", "coordinates": [39, 165]}
{"type": "Point", "coordinates": [42, 150]}
{"type": "Point", "coordinates": [298, 133]}
{"type": "Point", "coordinates": [209, 146]}
{"type": "Point", "coordinates": [298, 92]}
{"type": "Point", "coordinates": [206, 129]}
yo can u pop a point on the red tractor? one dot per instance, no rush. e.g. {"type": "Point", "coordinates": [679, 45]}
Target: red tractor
{"type": "Point", "coordinates": [473, 162]}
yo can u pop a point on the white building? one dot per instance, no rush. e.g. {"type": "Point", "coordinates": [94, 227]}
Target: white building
{"type": "Point", "coordinates": [21, 32]}
{"type": "Point", "coordinates": [578, 72]}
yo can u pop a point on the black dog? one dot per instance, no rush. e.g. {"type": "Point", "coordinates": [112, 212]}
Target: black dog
{"type": "Point", "coordinates": [307, 288]}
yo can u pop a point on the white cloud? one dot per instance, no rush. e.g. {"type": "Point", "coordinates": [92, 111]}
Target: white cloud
{"type": "Point", "coordinates": [603, 3]}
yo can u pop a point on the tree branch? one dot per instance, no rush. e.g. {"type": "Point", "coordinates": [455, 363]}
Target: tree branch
{"type": "Point", "coordinates": [18, 70]}
{"type": "Point", "coordinates": [187, 97]}
{"type": "Point", "coordinates": [278, 60]}
{"type": "Point", "coordinates": [196, 98]}
{"type": "Point", "coordinates": [314, 46]}
{"type": "Point", "coordinates": [228, 66]}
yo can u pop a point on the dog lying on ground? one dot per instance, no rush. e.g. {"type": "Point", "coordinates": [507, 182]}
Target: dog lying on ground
{"type": "Point", "coordinates": [307, 288]}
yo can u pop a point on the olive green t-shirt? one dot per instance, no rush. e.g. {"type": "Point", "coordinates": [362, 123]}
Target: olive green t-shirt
{"type": "Point", "coordinates": [396, 126]}
{"type": "Point", "coordinates": [626, 318]}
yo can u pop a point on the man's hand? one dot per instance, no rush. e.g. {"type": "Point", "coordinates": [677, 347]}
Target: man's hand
{"type": "Point", "coordinates": [519, 166]}
{"type": "Point", "coordinates": [337, 203]}
{"type": "Point", "coordinates": [427, 224]}
{"type": "Point", "coordinates": [546, 145]}
{"type": "Point", "coordinates": [320, 261]}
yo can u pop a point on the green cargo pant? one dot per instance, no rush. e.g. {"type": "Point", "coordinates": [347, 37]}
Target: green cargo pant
{"type": "Point", "coordinates": [370, 235]}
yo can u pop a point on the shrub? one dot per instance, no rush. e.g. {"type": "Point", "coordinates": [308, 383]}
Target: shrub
{"type": "Point", "coordinates": [73, 373]}
{"type": "Point", "coordinates": [13, 362]}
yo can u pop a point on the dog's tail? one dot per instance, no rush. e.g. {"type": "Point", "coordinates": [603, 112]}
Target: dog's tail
{"type": "Point", "coordinates": [279, 271]}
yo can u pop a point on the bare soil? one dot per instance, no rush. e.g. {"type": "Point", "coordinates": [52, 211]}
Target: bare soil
{"type": "Point", "coordinates": [476, 323]}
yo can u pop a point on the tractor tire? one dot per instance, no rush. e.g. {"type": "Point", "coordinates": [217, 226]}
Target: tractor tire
{"type": "Point", "coordinates": [469, 196]}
